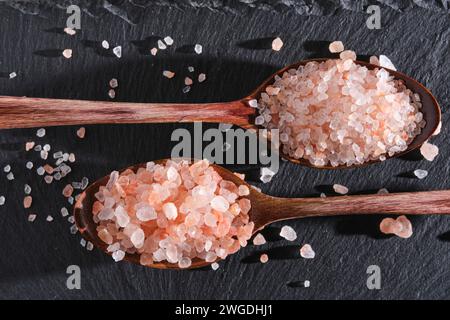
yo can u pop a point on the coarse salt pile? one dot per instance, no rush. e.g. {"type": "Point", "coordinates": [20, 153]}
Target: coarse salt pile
{"type": "Point", "coordinates": [340, 113]}
{"type": "Point", "coordinates": [172, 212]}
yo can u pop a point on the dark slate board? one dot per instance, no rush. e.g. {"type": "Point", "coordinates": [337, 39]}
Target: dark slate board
{"type": "Point", "coordinates": [34, 256]}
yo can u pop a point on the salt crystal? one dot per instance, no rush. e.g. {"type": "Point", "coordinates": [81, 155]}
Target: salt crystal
{"type": "Point", "coordinates": [186, 89]}
{"type": "Point", "coordinates": [429, 151]}
{"type": "Point", "coordinates": [168, 74]}
{"type": "Point", "coordinates": [161, 45]}
{"type": "Point", "coordinates": [10, 176]}
{"type": "Point", "coordinates": [83, 242]}
{"type": "Point", "coordinates": [64, 212]}
{"type": "Point", "coordinates": [288, 233]}
{"type": "Point", "coordinates": [266, 174]}
{"type": "Point", "coordinates": [38, 148]}
{"type": "Point", "coordinates": [168, 40]}
{"type": "Point", "coordinates": [31, 217]}
{"type": "Point", "coordinates": [338, 188]}
{"type": "Point", "coordinates": [421, 174]}
{"type": "Point", "coordinates": [27, 189]}
{"type": "Point", "coordinates": [259, 240]}
{"type": "Point", "coordinates": [264, 258]}
{"type": "Point", "coordinates": [89, 246]}
{"type": "Point", "coordinates": [170, 211]}
{"type": "Point", "coordinates": [29, 165]}
{"type": "Point", "coordinates": [44, 154]}
{"type": "Point", "coordinates": [374, 60]}
{"type": "Point", "coordinates": [347, 55]}
{"type": "Point", "coordinates": [71, 219]}
{"type": "Point", "coordinates": [219, 203]}
{"type": "Point", "coordinates": [118, 255]}
{"type": "Point", "coordinates": [277, 44]}
{"type": "Point", "coordinates": [46, 147]}
{"type": "Point", "coordinates": [29, 145]}
{"type": "Point", "coordinates": [253, 103]}
{"type": "Point", "coordinates": [40, 133]}
{"type": "Point", "coordinates": [49, 218]}
{"type": "Point", "coordinates": [190, 68]}
{"type": "Point", "coordinates": [112, 93]}
{"type": "Point", "coordinates": [67, 53]}
{"type": "Point", "coordinates": [401, 227]}
{"type": "Point", "coordinates": [214, 266]}
{"type": "Point", "coordinates": [105, 44]}
{"type": "Point", "coordinates": [70, 31]}
{"type": "Point", "coordinates": [2, 200]}
{"type": "Point", "coordinates": [243, 190]}
{"type": "Point", "coordinates": [67, 191]}
{"type": "Point", "coordinates": [7, 168]}
{"type": "Point", "coordinates": [153, 51]}
{"type": "Point", "coordinates": [147, 214]}
{"type": "Point", "coordinates": [307, 252]}
{"type": "Point", "coordinates": [198, 49]}
{"type": "Point", "coordinates": [184, 263]}
{"type": "Point", "coordinates": [201, 77]}
{"type": "Point", "coordinates": [113, 83]}
{"type": "Point", "coordinates": [117, 51]}
{"type": "Point", "coordinates": [383, 191]}
{"type": "Point", "coordinates": [12, 75]}
{"type": "Point", "coordinates": [386, 62]}
{"type": "Point", "coordinates": [188, 81]}
{"type": "Point", "coordinates": [27, 202]}
{"type": "Point", "coordinates": [336, 47]}
{"type": "Point", "coordinates": [306, 284]}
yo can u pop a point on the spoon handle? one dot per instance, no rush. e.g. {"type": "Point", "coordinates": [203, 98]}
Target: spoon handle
{"type": "Point", "coordinates": [23, 112]}
{"type": "Point", "coordinates": [417, 203]}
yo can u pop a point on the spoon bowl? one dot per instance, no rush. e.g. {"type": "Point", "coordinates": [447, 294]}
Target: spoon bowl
{"type": "Point", "coordinates": [23, 112]}
{"type": "Point", "coordinates": [266, 209]}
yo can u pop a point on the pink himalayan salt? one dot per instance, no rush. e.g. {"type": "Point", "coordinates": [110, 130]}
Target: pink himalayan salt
{"type": "Point", "coordinates": [385, 62]}
{"type": "Point", "coordinates": [135, 213]}
{"type": "Point", "coordinates": [307, 252]}
{"type": "Point", "coordinates": [67, 191]}
{"type": "Point", "coordinates": [340, 113]}
{"type": "Point", "coordinates": [29, 145]}
{"type": "Point", "coordinates": [67, 53]}
{"type": "Point", "coordinates": [288, 233]}
{"type": "Point", "coordinates": [336, 47]}
{"type": "Point", "coordinates": [27, 202]}
{"type": "Point", "coordinates": [259, 240]}
{"type": "Point", "coordinates": [81, 132]}
{"type": "Point", "coordinates": [264, 258]}
{"type": "Point", "coordinates": [338, 188]}
{"type": "Point", "coordinates": [401, 227]}
{"type": "Point", "coordinates": [168, 74]}
{"type": "Point", "coordinates": [277, 44]}
{"type": "Point", "coordinates": [429, 151]}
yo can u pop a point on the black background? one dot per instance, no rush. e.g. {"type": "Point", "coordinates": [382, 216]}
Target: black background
{"type": "Point", "coordinates": [34, 256]}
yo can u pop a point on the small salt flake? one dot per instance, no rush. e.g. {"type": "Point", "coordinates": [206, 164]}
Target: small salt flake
{"type": "Point", "coordinates": [383, 191]}
{"type": "Point", "coordinates": [386, 62]}
{"type": "Point", "coordinates": [67, 191]}
{"type": "Point", "coordinates": [374, 60]}
{"type": "Point", "coordinates": [48, 179]}
{"type": "Point", "coordinates": [31, 217]}
{"type": "Point", "coordinates": [168, 40]}
{"type": "Point", "coordinates": [201, 77]}
{"type": "Point", "coordinates": [113, 83]}
{"type": "Point", "coordinates": [38, 148]}
{"type": "Point", "coordinates": [46, 147]}
{"type": "Point", "coordinates": [168, 74]}
{"type": "Point", "coordinates": [420, 174]}
{"type": "Point", "coordinates": [154, 51]}
{"type": "Point", "coordinates": [29, 165]}
{"type": "Point", "coordinates": [401, 227]}
{"type": "Point", "coordinates": [266, 174]}
{"type": "Point", "coordinates": [188, 81]}
{"type": "Point", "coordinates": [73, 229]}
{"type": "Point", "coordinates": [71, 157]}
{"type": "Point", "coordinates": [40, 171]}
{"type": "Point", "coordinates": [2, 200]}
{"type": "Point", "coordinates": [338, 188]}
{"type": "Point", "coordinates": [198, 48]}
{"type": "Point", "coordinates": [7, 168]}
{"type": "Point", "coordinates": [71, 219]}
{"type": "Point", "coordinates": [118, 255]}
{"type": "Point", "coordinates": [64, 212]}
{"type": "Point", "coordinates": [429, 151]}
{"type": "Point", "coordinates": [57, 155]}
{"type": "Point", "coordinates": [27, 189]}
{"type": "Point", "coordinates": [112, 93]}
{"type": "Point", "coordinates": [307, 252]}
{"type": "Point", "coordinates": [81, 132]}
{"type": "Point", "coordinates": [12, 75]}
{"type": "Point", "coordinates": [264, 258]}
{"type": "Point", "coordinates": [40, 133]}
{"type": "Point", "coordinates": [186, 89]}
{"type": "Point", "coordinates": [10, 176]}
{"type": "Point", "coordinates": [277, 44]}
{"type": "Point", "coordinates": [27, 201]}
{"type": "Point", "coordinates": [253, 103]}
{"type": "Point", "coordinates": [118, 51]}
{"type": "Point", "coordinates": [214, 266]}
{"type": "Point", "coordinates": [161, 45]}
{"type": "Point", "coordinates": [49, 218]}
{"type": "Point", "coordinates": [67, 53]}
{"type": "Point", "coordinates": [70, 200]}
{"type": "Point", "coordinates": [89, 246]}
{"type": "Point", "coordinates": [105, 44]}
{"type": "Point", "coordinates": [306, 284]}
{"type": "Point", "coordinates": [191, 69]}
{"type": "Point", "coordinates": [70, 31]}
{"type": "Point", "coordinates": [83, 242]}
{"type": "Point", "coordinates": [288, 233]}
{"type": "Point", "coordinates": [29, 145]}
{"type": "Point", "coordinates": [259, 240]}
{"type": "Point", "coordinates": [336, 47]}
{"type": "Point", "coordinates": [84, 183]}
{"type": "Point", "coordinates": [44, 154]}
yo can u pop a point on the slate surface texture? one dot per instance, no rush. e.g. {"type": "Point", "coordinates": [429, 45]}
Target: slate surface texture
{"type": "Point", "coordinates": [34, 256]}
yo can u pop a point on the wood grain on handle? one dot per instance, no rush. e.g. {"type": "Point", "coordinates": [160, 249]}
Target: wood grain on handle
{"type": "Point", "coordinates": [272, 209]}
{"type": "Point", "coordinates": [23, 112]}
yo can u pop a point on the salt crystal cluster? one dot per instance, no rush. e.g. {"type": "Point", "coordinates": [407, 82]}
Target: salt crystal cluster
{"type": "Point", "coordinates": [340, 113]}
{"type": "Point", "coordinates": [401, 227]}
{"type": "Point", "coordinates": [173, 212]}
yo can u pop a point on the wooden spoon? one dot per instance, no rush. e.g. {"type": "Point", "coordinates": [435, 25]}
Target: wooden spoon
{"type": "Point", "coordinates": [267, 209]}
{"type": "Point", "coordinates": [23, 112]}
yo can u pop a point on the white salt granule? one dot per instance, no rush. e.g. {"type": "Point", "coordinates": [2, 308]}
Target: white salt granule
{"type": "Point", "coordinates": [323, 195]}
{"type": "Point", "coordinates": [186, 89]}
{"type": "Point", "coordinates": [253, 103]}
{"type": "Point", "coordinates": [153, 51]}
{"type": "Point", "coordinates": [49, 218]}
{"type": "Point", "coordinates": [64, 212]}
{"type": "Point", "coordinates": [161, 45]}
{"type": "Point", "coordinates": [168, 40]}
{"type": "Point", "coordinates": [277, 44]}
{"type": "Point", "coordinates": [27, 189]}
{"type": "Point", "coordinates": [201, 77]}
{"type": "Point", "coordinates": [288, 233]}
{"type": "Point", "coordinates": [7, 168]}
{"type": "Point", "coordinates": [214, 266]}
{"type": "Point", "coordinates": [117, 51]}
{"type": "Point", "coordinates": [83, 242]}
{"type": "Point", "coordinates": [386, 62]}
{"type": "Point", "coordinates": [12, 75]}
{"type": "Point", "coordinates": [168, 74]}
{"type": "Point", "coordinates": [307, 252]}
{"type": "Point", "coordinates": [118, 255]}
{"type": "Point", "coordinates": [40, 171]}
{"type": "Point", "coordinates": [31, 217]}
{"type": "Point", "coordinates": [421, 174]}
{"type": "Point", "coordinates": [429, 151]}
{"type": "Point", "coordinates": [70, 31]}
{"type": "Point", "coordinates": [10, 176]}
{"type": "Point", "coordinates": [113, 83]}
{"type": "Point", "coordinates": [307, 283]}
{"type": "Point", "coordinates": [73, 229]}
{"type": "Point", "coordinates": [2, 200]}
{"type": "Point", "coordinates": [266, 174]}
{"type": "Point", "coordinates": [336, 47]}
{"type": "Point", "coordinates": [29, 165]}
{"type": "Point", "coordinates": [67, 53]}
{"type": "Point", "coordinates": [338, 188]}
{"type": "Point", "coordinates": [264, 258]}
{"type": "Point", "coordinates": [191, 69]}
{"type": "Point", "coordinates": [259, 240]}
{"type": "Point", "coordinates": [170, 211]}
{"type": "Point", "coordinates": [89, 246]}
{"type": "Point", "coordinates": [40, 133]}
{"type": "Point", "coordinates": [112, 93]}
{"type": "Point", "coordinates": [198, 48]}
{"type": "Point", "coordinates": [105, 44]}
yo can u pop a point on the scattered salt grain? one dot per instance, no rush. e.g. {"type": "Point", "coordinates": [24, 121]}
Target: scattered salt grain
{"type": "Point", "coordinates": [27, 201]}
{"type": "Point", "coordinates": [338, 188]}
{"type": "Point", "coordinates": [153, 51]}
{"type": "Point", "coordinates": [118, 255]}
{"type": "Point", "coordinates": [73, 229]}
{"type": "Point", "coordinates": [71, 219]}
{"type": "Point", "coordinates": [10, 176]}
{"type": "Point", "coordinates": [113, 83]}
{"type": "Point", "coordinates": [161, 45]}
{"type": "Point", "coordinates": [253, 103]}
{"type": "Point", "coordinates": [40, 132]}
{"type": "Point", "coordinates": [168, 74]}
{"type": "Point", "coordinates": [401, 227]}
{"type": "Point", "coordinates": [31, 217]}
{"type": "Point", "coordinates": [7, 168]}
{"type": "Point", "coordinates": [307, 252]}
{"type": "Point", "coordinates": [201, 77]}
{"type": "Point", "coordinates": [67, 191]}
{"type": "Point", "coordinates": [188, 81]}
{"type": "Point", "coordinates": [67, 53]}
{"type": "Point", "coordinates": [81, 132]}
{"type": "Point", "coordinates": [112, 93]}
{"type": "Point", "coordinates": [198, 48]}
{"type": "Point", "coordinates": [277, 44]}
{"type": "Point", "coordinates": [117, 51]}
{"type": "Point", "coordinates": [168, 40]}
{"type": "Point", "coordinates": [374, 60]}
{"type": "Point", "coordinates": [12, 75]}
{"type": "Point", "coordinates": [421, 174]}
{"type": "Point", "coordinates": [89, 246]}
{"type": "Point", "coordinates": [29, 165]}
{"type": "Point", "coordinates": [71, 157]}
{"type": "Point", "coordinates": [288, 233]}
{"type": "Point", "coordinates": [259, 240]}
{"type": "Point", "coordinates": [70, 31]}
{"type": "Point", "coordinates": [27, 189]}
{"type": "Point", "coordinates": [266, 174]}
{"type": "Point", "coordinates": [306, 284]}
{"type": "Point", "coordinates": [64, 212]}
{"type": "Point", "coordinates": [190, 68]}
{"type": "Point", "coordinates": [264, 258]}
{"type": "Point", "coordinates": [29, 145]}
{"type": "Point", "coordinates": [49, 218]}
{"type": "Point", "coordinates": [214, 266]}
{"type": "Point", "coordinates": [429, 151]}
{"type": "Point", "coordinates": [186, 89]}
{"type": "Point", "coordinates": [386, 62]}
{"type": "Point", "coordinates": [336, 47]}
{"type": "Point", "coordinates": [105, 44]}
{"type": "Point", "coordinates": [83, 242]}
{"type": "Point", "coordinates": [2, 200]}
{"type": "Point", "coordinates": [48, 179]}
